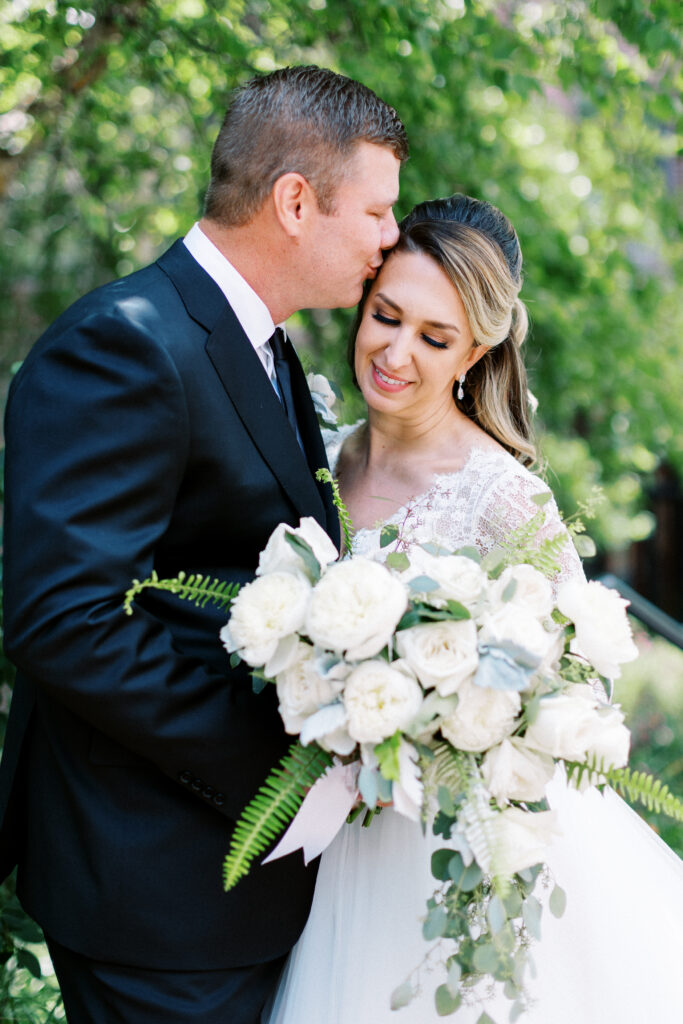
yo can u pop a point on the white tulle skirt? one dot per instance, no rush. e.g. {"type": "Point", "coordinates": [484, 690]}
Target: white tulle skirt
{"type": "Point", "coordinates": [614, 957]}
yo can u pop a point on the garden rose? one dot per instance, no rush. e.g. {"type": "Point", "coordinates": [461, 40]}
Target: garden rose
{"type": "Point", "coordinates": [513, 623]}
{"type": "Point", "coordinates": [512, 772]}
{"type": "Point", "coordinates": [279, 555]}
{"type": "Point", "coordinates": [521, 839]}
{"type": "Point", "coordinates": [355, 608]}
{"type": "Point", "coordinates": [301, 689]}
{"type": "Point", "coordinates": [603, 634]}
{"type": "Point", "coordinates": [442, 654]}
{"type": "Point", "coordinates": [482, 718]}
{"type": "Point", "coordinates": [532, 590]}
{"type": "Point", "coordinates": [459, 578]}
{"type": "Point", "coordinates": [575, 727]}
{"type": "Point", "coordinates": [323, 396]}
{"type": "Point", "coordinates": [380, 698]}
{"type": "Point", "coordinates": [265, 611]}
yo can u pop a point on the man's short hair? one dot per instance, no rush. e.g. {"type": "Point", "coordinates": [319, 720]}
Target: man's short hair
{"type": "Point", "coordinates": [303, 119]}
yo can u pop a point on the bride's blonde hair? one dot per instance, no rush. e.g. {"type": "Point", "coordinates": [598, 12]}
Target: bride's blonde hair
{"type": "Point", "coordinates": [477, 248]}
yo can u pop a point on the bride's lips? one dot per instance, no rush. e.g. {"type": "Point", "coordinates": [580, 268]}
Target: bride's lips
{"type": "Point", "coordinates": [387, 381]}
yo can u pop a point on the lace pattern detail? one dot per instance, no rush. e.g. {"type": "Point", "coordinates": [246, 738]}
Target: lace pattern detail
{"type": "Point", "coordinates": [479, 505]}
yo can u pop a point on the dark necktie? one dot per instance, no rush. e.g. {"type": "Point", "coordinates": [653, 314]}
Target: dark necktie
{"type": "Point", "coordinates": [279, 347]}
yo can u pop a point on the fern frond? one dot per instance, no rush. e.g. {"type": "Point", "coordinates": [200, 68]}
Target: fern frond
{"type": "Point", "coordinates": [448, 767]}
{"type": "Point", "coordinates": [196, 588]}
{"type": "Point", "coordinates": [326, 477]}
{"type": "Point", "coordinates": [635, 786]}
{"type": "Point", "coordinates": [273, 807]}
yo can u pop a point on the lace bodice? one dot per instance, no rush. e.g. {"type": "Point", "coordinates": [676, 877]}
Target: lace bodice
{"type": "Point", "coordinates": [479, 505]}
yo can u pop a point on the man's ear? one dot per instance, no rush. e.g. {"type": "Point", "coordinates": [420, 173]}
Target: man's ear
{"type": "Point", "coordinates": [293, 202]}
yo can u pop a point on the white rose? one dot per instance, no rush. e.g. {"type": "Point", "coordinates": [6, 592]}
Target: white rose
{"type": "Point", "coordinates": [355, 608]}
{"type": "Point", "coordinates": [302, 690]}
{"type": "Point", "coordinates": [441, 654]}
{"type": "Point", "coordinates": [264, 612]}
{"type": "Point", "coordinates": [511, 772]}
{"type": "Point", "coordinates": [575, 727]}
{"type": "Point", "coordinates": [531, 589]}
{"type": "Point", "coordinates": [603, 634]}
{"type": "Point", "coordinates": [279, 555]}
{"type": "Point", "coordinates": [323, 396]}
{"type": "Point", "coordinates": [521, 839]}
{"type": "Point", "coordinates": [379, 699]}
{"type": "Point", "coordinates": [482, 718]}
{"type": "Point", "coordinates": [514, 624]}
{"type": "Point", "coordinates": [459, 578]}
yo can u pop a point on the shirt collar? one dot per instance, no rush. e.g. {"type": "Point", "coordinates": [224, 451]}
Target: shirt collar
{"type": "Point", "coordinates": [248, 307]}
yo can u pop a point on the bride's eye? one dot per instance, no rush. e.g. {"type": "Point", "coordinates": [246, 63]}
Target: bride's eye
{"type": "Point", "coordinates": [433, 342]}
{"type": "Point", "coordinates": [384, 319]}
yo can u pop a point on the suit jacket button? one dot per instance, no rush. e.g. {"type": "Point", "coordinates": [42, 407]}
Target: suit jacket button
{"type": "Point", "coordinates": [186, 777]}
{"type": "Point", "coordinates": [208, 792]}
{"type": "Point", "coordinates": [219, 799]}
{"type": "Point", "coordinates": [197, 784]}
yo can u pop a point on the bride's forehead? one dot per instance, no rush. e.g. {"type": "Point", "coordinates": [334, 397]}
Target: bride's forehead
{"type": "Point", "coordinates": [415, 278]}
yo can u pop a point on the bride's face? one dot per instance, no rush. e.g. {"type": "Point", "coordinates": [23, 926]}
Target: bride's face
{"type": "Point", "coordinates": [414, 340]}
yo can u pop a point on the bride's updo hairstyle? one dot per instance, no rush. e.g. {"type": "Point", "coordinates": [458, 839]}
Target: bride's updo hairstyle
{"type": "Point", "coordinates": [477, 248]}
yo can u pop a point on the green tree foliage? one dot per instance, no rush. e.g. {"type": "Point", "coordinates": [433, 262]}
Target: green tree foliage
{"type": "Point", "coordinates": [564, 114]}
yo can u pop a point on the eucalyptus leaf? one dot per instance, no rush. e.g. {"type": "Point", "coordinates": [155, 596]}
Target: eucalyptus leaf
{"type": "Point", "coordinates": [469, 552]}
{"type": "Point", "coordinates": [305, 553]}
{"type": "Point", "coordinates": [445, 801]}
{"type": "Point", "coordinates": [423, 585]}
{"type": "Point", "coordinates": [440, 862]}
{"type": "Point", "coordinates": [402, 995]}
{"type": "Point", "coordinates": [510, 589]}
{"type": "Point", "coordinates": [495, 914]}
{"type": "Point", "coordinates": [234, 659]}
{"type": "Point", "coordinates": [585, 545]}
{"type": "Point", "coordinates": [398, 560]}
{"type": "Point", "coordinates": [486, 958]}
{"type": "Point", "coordinates": [258, 683]}
{"type": "Point", "coordinates": [435, 923]}
{"type": "Point", "coordinates": [367, 784]}
{"type": "Point", "coordinates": [454, 976]}
{"type": "Point", "coordinates": [531, 915]}
{"type": "Point", "coordinates": [445, 1002]}
{"type": "Point", "coordinates": [557, 901]}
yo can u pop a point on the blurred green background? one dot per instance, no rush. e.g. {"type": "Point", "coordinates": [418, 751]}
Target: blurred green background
{"type": "Point", "coordinates": [567, 115]}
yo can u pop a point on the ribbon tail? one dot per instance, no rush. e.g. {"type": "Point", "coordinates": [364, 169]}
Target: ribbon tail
{"type": "Point", "coordinates": [322, 813]}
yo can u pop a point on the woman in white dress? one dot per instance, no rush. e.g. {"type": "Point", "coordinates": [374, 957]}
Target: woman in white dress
{"type": "Point", "coordinates": [443, 454]}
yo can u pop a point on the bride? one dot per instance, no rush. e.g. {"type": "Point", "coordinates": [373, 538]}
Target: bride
{"type": "Point", "coordinates": [443, 454]}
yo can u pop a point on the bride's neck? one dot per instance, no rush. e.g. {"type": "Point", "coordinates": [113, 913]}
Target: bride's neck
{"type": "Point", "coordinates": [391, 437]}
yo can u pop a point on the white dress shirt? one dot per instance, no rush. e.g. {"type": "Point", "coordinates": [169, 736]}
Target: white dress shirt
{"type": "Point", "coordinates": [250, 310]}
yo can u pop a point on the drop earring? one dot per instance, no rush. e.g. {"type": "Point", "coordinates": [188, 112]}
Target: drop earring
{"type": "Point", "coordinates": [461, 393]}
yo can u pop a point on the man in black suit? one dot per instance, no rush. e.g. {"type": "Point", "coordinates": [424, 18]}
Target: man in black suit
{"type": "Point", "coordinates": [161, 423]}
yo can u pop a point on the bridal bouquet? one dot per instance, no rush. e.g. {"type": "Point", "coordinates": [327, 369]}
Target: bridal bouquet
{"type": "Point", "coordinates": [450, 686]}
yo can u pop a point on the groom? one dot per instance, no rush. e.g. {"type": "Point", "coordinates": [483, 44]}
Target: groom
{"type": "Point", "coordinates": [161, 424]}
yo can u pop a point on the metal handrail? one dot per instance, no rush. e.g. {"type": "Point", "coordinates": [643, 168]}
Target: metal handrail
{"type": "Point", "coordinates": [648, 613]}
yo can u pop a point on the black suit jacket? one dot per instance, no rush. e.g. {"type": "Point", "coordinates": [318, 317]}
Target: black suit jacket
{"type": "Point", "coordinates": [142, 433]}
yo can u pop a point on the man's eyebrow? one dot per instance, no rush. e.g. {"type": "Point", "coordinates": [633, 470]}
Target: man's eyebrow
{"type": "Point", "coordinates": [430, 323]}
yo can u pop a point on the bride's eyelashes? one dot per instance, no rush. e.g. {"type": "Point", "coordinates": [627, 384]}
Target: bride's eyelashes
{"type": "Point", "coordinates": [392, 322]}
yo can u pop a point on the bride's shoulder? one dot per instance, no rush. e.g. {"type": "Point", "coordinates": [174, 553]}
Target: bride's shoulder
{"type": "Point", "coordinates": [334, 441]}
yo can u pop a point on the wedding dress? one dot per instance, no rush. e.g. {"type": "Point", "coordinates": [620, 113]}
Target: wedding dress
{"type": "Point", "coordinates": [614, 957]}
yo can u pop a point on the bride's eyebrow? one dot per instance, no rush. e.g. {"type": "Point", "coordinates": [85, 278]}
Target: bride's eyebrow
{"type": "Point", "coordinates": [430, 323]}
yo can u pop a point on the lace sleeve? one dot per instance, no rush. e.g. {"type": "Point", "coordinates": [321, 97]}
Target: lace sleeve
{"type": "Point", "coordinates": [508, 504]}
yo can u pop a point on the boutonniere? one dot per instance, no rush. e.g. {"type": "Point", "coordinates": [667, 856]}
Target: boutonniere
{"type": "Point", "coordinates": [324, 394]}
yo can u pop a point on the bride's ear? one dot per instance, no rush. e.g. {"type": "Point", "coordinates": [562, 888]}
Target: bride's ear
{"type": "Point", "coordinates": [474, 355]}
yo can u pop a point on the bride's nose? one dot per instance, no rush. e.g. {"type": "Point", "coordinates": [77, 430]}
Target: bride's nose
{"type": "Point", "coordinates": [397, 352]}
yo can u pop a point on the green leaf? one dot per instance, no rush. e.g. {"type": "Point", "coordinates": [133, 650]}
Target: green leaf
{"type": "Point", "coordinates": [273, 807]}
{"type": "Point", "coordinates": [423, 585]}
{"type": "Point", "coordinates": [469, 552]}
{"type": "Point", "coordinates": [388, 534]}
{"type": "Point", "coordinates": [531, 915]}
{"type": "Point", "coordinates": [585, 546]}
{"type": "Point", "coordinates": [486, 959]}
{"type": "Point", "coordinates": [305, 553]}
{"type": "Point", "coordinates": [466, 878]}
{"type": "Point", "coordinates": [386, 753]}
{"type": "Point", "coordinates": [457, 611]}
{"type": "Point", "coordinates": [445, 801]}
{"type": "Point", "coordinates": [367, 784]}
{"type": "Point", "coordinates": [402, 995]}
{"type": "Point", "coordinates": [440, 862]}
{"type": "Point", "coordinates": [398, 560]}
{"type": "Point", "coordinates": [510, 589]}
{"type": "Point", "coordinates": [495, 914]}
{"type": "Point", "coordinates": [435, 923]}
{"type": "Point", "coordinates": [557, 901]}
{"type": "Point", "coordinates": [541, 499]}
{"type": "Point", "coordinates": [234, 659]}
{"type": "Point", "coordinates": [445, 1002]}
{"type": "Point", "coordinates": [29, 961]}
{"type": "Point", "coordinates": [454, 976]}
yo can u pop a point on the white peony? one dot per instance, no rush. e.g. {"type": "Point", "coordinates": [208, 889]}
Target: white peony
{"type": "Point", "coordinates": [379, 699]}
{"type": "Point", "coordinates": [575, 727]}
{"type": "Point", "coordinates": [442, 654]}
{"type": "Point", "coordinates": [302, 690]}
{"type": "Point", "coordinates": [482, 718]}
{"type": "Point", "coordinates": [264, 612]}
{"type": "Point", "coordinates": [512, 772]}
{"type": "Point", "coordinates": [458, 578]}
{"type": "Point", "coordinates": [530, 589]}
{"type": "Point", "coordinates": [355, 608]}
{"type": "Point", "coordinates": [514, 624]}
{"type": "Point", "coordinates": [603, 634]}
{"type": "Point", "coordinates": [521, 839]}
{"type": "Point", "coordinates": [279, 555]}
